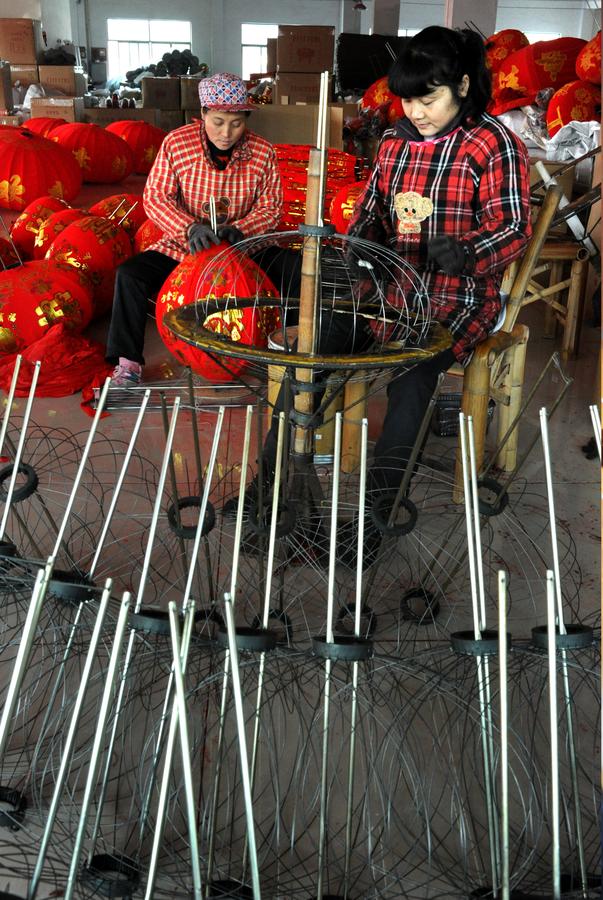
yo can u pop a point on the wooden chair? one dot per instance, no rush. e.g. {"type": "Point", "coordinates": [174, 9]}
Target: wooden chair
{"type": "Point", "coordinates": [497, 366]}
{"type": "Point", "coordinates": [496, 369]}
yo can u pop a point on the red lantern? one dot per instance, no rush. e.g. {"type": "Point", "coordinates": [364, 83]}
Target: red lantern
{"type": "Point", "coordinates": [342, 205]}
{"type": "Point", "coordinates": [541, 65]}
{"type": "Point", "coordinates": [32, 167]}
{"type": "Point", "coordinates": [36, 296]}
{"type": "Point", "coordinates": [93, 247]}
{"type": "Point", "coordinates": [143, 139]}
{"type": "Point", "coordinates": [52, 227]}
{"type": "Point", "coordinates": [102, 157]}
{"type": "Point", "coordinates": [8, 255]}
{"type": "Point", "coordinates": [192, 280]}
{"type": "Point", "coordinates": [501, 45]}
{"type": "Point", "coordinates": [147, 234]}
{"type": "Point", "coordinates": [25, 228]}
{"type": "Point", "coordinates": [588, 63]}
{"type": "Point", "coordinates": [115, 208]}
{"type": "Point", "coordinates": [43, 125]}
{"type": "Point", "coordinates": [578, 101]}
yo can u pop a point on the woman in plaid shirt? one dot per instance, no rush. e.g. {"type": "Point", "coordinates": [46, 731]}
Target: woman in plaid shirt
{"type": "Point", "coordinates": [217, 158]}
{"type": "Point", "coordinates": [449, 192]}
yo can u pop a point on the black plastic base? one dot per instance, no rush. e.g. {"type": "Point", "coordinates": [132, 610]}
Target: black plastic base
{"type": "Point", "coordinates": [342, 648]}
{"type": "Point", "coordinates": [188, 532]}
{"type": "Point", "coordinates": [15, 805]}
{"type": "Point", "coordinates": [578, 637]}
{"type": "Point", "coordinates": [419, 606]}
{"type": "Point", "coordinates": [255, 640]}
{"type": "Point", "coordinates": [71, 586]}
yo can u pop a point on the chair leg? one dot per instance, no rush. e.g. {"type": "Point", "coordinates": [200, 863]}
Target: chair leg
{"type": "Point", "coordinates": [516, 358]}
{"type": "Point", "coordinates": [575, 302]}
{"type": "Point", "coordinates": [355, 402]}
{"type": "Point", "coordinates": [550, 321]}
{"type": "Point", "coordinates": [476, 393]}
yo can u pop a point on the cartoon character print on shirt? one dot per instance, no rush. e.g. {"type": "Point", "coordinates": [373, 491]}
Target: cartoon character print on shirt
{"type": "Point", "coordinates": [411, 208]}
{"type": "Point", "coordinates": [221, 210]}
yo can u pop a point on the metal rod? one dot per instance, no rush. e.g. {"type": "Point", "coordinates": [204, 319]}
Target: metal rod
{"type": "Point", "coordinates": [117, 208]}
{"type": "Point", "coordinates": [186, 599]}
{"type": "Point", "coordinates": [127, 212]}
{"type": "Point", "coordinates": [20, 445]}
{"type": "Point", "coordinates": [595, 418]}
{"type": "Point", "coordinates": [333, 535]}
{"type": "Point", "coordinates": [552, 660]}
{"type": "Point", "coordinates": [11, 242]}
{"type": "Point", "coordinates": [96, 746]}
{"type": "Point", "coordinates": [240, 719]}
{"type": "Point", "coordinates": [83, 461]}
{"type": "Point", "coordinates": [504, 732]}
{"type": "Point", "coordinates": [469, 526]}
{"type": "Point", "coordinates": [120, 481]}
{"type": "Point", "coordinates": [361, 523]}
{"type": "Point", "coordinates": [212, 214]}
{"type": "Point", "coordinates": [128, 656]}
{"type": "Point", "coordinates": [10, 399]}
{"type": "Point", "coordinates": [24, 651]}
{"type": "Point", "coordinates": [167, 768]}
{"type": "Point", "coordinates": [185, 744]}
{"type": "Point", "coordinates": [477, 524]}
{"type": "Point", "coordinates": [67, 748]}
{"type": "Point", "coordinates": [552, 519]}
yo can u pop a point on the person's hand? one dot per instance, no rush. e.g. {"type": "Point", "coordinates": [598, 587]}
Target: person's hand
{"type": "Point", "coordinates": [231, 234]}
{"type": "Point", "coordinates": [446, 253]}
{"type": "Point", "coordinates": [201, 237]}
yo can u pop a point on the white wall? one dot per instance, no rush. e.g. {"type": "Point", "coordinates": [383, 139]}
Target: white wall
{"type": "Point", "coordinates": [571, 17]}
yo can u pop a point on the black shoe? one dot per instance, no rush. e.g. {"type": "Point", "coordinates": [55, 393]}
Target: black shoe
{"type": "Point", "coordinates": [347, 544]}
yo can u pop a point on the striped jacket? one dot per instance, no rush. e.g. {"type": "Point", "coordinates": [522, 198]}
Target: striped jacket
{"type": "Point", "coordinates": [247, 193]}
{"type": "Point", "coordinates": [471, 183]}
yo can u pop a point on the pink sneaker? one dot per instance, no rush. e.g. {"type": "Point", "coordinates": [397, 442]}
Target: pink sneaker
{"type": "Point", "coordinates": [126, 373]}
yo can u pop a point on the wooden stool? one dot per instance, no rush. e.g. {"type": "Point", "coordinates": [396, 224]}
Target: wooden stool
{"type": "Point", "coordinates": [569, 313]}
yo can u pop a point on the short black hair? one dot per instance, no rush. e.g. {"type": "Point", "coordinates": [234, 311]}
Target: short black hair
{"type": "Point", "coordinates": [441, 56]}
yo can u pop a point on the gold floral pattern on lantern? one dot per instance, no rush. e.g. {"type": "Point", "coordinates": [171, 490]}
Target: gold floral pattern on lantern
{"type": "Point", "coordinates": [57, 190]}
{"type": "Point", "coordinates": [8, 341]}
{"type": "Point", "coordinates": [510, 80]}
{"type": "Point", "coordinates": [82, 157]}
{"type": "Point", "coordinates": [229, 321]}
{"type": "Point", "coordinates": [56, 308]}
{"type": "Point", "coordinates": [12, 190]}
{"type": "Point", "coordinates": [552, 63]}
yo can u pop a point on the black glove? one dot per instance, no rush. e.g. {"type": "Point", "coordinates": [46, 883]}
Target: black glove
{"type": "Point", "coordinates": [230, 233]}
{"type": "Point", "coordinates": [201, 237]}
{"type": "Point", "coordinates": [447, 254]}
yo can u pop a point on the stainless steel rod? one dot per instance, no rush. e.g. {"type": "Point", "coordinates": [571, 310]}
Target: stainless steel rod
{"type": "Point", "coordinates": [185, 747]}
{"type": "Point", "coordinates": [553, 720]}
{"type": "Point", "coordinates": [333, 534]}
{"type": "Point", "coordinates": [595, 418]}
{"type": "Point", "coordinates": [242, 739]}
{"type": "Point", "coordinates": [99, 736]}
{"type": "Point", "coordinates": [469, 526]}
{"type": "Point", "coordinates": [19, 453]}
{"type": "Point", "coordinates": [67, 747]}
{"type": "Point", "coordinates": [504, 733]}
{"type": "Point", "coordinates": [10, 400]}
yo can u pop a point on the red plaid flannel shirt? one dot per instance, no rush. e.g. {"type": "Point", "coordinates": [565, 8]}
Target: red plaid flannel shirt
{"type": "Point", "coordinates": [473, 184]}
{"type": "Point", "coordinates": [248, 192]}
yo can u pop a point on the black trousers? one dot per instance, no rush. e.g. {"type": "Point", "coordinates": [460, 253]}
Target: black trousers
{"type": "Point", "coordinates": [408, 394]}
{"type": "Point", "coordinates": [137, 282]}
{"type": "Point", "coordinates": [140, 278]}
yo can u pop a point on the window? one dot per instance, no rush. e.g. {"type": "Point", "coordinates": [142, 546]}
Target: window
{"type": "Point", "coordinates": [253, 46]}
{"type": "Point", "coordinates": [133, 43]}
{"type": "Point", "coordinates": [408, 32]}
{"type": "Point", "coordinates": [534, 36]}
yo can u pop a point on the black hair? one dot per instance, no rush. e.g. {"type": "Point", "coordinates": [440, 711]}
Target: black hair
{"type": "Point", "coordinates": [441, 56]}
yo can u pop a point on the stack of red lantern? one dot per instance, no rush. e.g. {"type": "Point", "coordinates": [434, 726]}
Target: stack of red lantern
{"type": "Point", "coordinates": [102, 157]}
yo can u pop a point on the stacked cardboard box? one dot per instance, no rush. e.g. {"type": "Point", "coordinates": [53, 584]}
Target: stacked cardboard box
{"type": "Point", "coordinates": [69, 80]}
{"type": "Point", "coordinates": [189, 94]}
{"type": "Point", "coordinates": [6, 90]}
{"type": "Point", "coordinates": [69, 108]}
{"type": "Point", "coordinates": [21, 41]}
{"type": "Point", "coordinates": [303, 52]}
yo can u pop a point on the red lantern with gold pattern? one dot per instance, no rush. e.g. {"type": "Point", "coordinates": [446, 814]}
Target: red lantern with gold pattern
{"type": "Point", "coordinates": [115, 208]}
{"type": "Point", "coordinates": [578, 101]}
{"type": "Point", "coordinates": [102, 157]}
{"type": "Point", "coordinates": [192, 280]}
{"type": "Point", "coordinates": [342, 205]}
{"type": "Point", "coordinates": [52, 227]}
{"type": "Point", "coordinates": [147, 234]}
{"type": "Point", "coordinates": [33, 167]}
{"type": "Point", "coordinates": [43, 125]}
{"type": "Point", "coordinates": [541, 65]}
{"type": "Point", "coordinates": [501, 45]}
{"type": "Point", "coordinates": [588, 63]}
{"type": "Point", "coordinates": [36, 296]}
{"type": "Point", "coordinates": [92, 248]}
{"type": "Point", "coordinates": [143, 139]}
{"type": "Point", "coordinates": [25, 228]}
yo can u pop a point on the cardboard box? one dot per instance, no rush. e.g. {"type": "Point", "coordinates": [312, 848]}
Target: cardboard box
{"type": "Point", "coordinates": [69, 108]}
{"type": "Point", "coordinates": [103, 115]}
{"type": "Point", "coordinates": [271, 54]}
{"type": "Point", "coordinates": [161, 93]}
{"type": "Point", "coordinates": [296, 124]}
{"type": "Point", "coordinates": [25, 75]}
{"type": "Point", "coordinates": [168, 119]}
{"type": "Point", "coordinates": [69, 80]}
{"type": "Point", "coordinates": [297, 87]}
{"type": "Point", "coordinates": [6, 90]}
{"type": "Point", "coordinates": [11, 120]}
{"type": "Point", "coordinates": [191, 115]}
{"type": "Point", "coordinates": [189, 93]}
{"type": "Point", "coordinates": [21, 41]}
{"type": "Point", "coordinates": [305, 48]}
